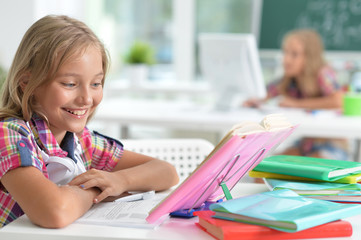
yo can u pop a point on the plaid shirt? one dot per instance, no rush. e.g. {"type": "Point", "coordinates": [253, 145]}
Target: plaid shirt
{"type": "Point", "coordinates": [20, 145]}
{"type": "Point", "coordinates": [326, 79]}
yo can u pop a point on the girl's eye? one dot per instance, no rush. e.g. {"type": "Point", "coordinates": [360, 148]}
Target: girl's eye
{"type": "Point", "coordinates": [69, 84]}
{"type": "Point", "coordinates": [96, 84]}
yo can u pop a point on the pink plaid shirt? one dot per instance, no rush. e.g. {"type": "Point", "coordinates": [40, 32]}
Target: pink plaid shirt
{"type": "Point", "coordinates": [326, 79]}
{"type": "Point", "coordinates": [20, 145]}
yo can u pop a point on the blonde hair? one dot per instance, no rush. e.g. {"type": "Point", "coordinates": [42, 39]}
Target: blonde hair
{"type": "Point", "coordinates": [47, 44]}
{"type": "Point", "coordinates": [314, 61]}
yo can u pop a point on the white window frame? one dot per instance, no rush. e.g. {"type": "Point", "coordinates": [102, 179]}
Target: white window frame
{"type": "Point", "coordinates": [183, 40]}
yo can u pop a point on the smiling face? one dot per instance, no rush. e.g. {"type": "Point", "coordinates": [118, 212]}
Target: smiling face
{"type": "Point", "coordinates": [293, 57]}
{"type": "Point", "coordinates": [73, 95]}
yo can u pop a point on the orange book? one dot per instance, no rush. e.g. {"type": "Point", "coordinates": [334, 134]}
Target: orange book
{"type": "Point", "coordinates": [231, 230]}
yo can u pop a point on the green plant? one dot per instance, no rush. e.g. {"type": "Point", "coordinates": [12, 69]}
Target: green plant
{"type": "Point", "coordinates": [140, 53]}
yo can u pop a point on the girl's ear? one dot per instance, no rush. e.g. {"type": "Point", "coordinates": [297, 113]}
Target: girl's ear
{"type": "Point", "coordinates": [24, 80]}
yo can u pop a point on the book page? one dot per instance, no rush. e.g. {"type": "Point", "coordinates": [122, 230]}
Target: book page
{"type": "Point", "coordinates": [271, 122]}
{"type": "Point", "coordinates": [342, 172]}
{"type": "Point", "coordinates": [274, 122]}
{"type": "Point", "coordinates": [247, 128]}
{"type": "Point", "coordinates": [122, 214]}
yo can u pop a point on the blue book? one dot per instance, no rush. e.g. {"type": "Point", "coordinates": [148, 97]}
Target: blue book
{"type": "Point", "coordinates": [283, 210]}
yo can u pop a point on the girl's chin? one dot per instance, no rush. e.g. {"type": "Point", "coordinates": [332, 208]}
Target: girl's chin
{"type": "Point", "coordinates": [76, 128]}
{"type": "Point", "coordinates": [290, 75]}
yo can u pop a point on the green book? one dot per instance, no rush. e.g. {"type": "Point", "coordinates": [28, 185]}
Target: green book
{"type": "Point", "coordinates": [308, 167]}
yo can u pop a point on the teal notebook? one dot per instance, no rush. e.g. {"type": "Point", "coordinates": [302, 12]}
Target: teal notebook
{"type": "Point", "coordinates": [315, 168]}
{"type": "Point", "coordinates": [283, 210]}
{"type": "Point", "coordinates": [314, 188]}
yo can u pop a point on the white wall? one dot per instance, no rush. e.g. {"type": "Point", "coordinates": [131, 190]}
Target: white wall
{"type": "Point", "coordinates": [16, 16]}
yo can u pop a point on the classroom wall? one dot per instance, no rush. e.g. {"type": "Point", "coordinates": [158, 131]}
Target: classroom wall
{"type": "Point", "coordinates": [16, 16]}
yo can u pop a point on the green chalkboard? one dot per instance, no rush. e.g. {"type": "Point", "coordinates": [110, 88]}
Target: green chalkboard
{"type": "Point", "coordinates": [338, 22]}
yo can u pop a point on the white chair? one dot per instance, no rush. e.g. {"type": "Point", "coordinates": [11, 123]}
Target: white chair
{"type": "Point", "coordinates": [184, 154]}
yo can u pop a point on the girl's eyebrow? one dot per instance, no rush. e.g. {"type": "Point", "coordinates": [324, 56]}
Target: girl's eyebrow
{"type": "Point", "coordinates": [76, 74]}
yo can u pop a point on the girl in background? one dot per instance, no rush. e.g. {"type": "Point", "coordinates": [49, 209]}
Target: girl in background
{"type": "Point", "coordinates": [52, 167]}
{"type": "Point", "coordinates": [308, 83]}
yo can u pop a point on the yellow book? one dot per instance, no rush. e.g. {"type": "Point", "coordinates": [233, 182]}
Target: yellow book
{"type": "Point", "coordinates": [354, 178]}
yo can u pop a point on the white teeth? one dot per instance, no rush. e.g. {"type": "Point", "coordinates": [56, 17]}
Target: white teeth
{"type": "Point", "coordinates": [77, 112]}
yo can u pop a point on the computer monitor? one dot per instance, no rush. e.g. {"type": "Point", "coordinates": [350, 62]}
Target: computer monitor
{"type": "Point", "coordinates": [231, 64]}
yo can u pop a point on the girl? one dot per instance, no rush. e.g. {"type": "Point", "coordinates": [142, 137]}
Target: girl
{"type": "Point", "coordinates": [51, 166]}
{"type": "Point", "coordinates": [309, 83]}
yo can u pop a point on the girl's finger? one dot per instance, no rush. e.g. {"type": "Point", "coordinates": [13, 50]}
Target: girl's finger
{"type": "Point", "coordinates": [82, 178]}
{"type": "Point", "coordinates": [104, 194]}
{"type": "Point", "coordinates": [90, 183]}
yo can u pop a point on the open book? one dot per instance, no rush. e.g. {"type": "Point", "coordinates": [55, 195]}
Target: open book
{"type": "Point", "coordinates": [242, 148]}
{"type": "Point", "coordinates": [270, 123]}
{"type": "Point", "coordinates": [122, 213]}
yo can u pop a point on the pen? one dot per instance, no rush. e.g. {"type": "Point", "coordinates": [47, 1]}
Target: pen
{"type": "Point", "coordinates": [136, 196]}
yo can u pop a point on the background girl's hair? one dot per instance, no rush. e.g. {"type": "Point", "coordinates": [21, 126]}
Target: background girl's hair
{"type": "Point", "coordinates": [47, 44]}
{"type": "Point", "coordinates": [314, 61]}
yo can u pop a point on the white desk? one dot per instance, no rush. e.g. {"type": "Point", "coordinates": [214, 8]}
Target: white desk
{"type": "Point", "coordinates": [187, 116]}
{"type": "Point", "coordinates": [175, 229]}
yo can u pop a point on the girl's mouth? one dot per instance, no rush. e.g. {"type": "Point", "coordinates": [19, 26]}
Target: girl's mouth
{"type": "Point", "coordinates": [76, 112]}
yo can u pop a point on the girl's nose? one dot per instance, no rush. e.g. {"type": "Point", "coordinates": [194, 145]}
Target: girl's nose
{"type": "Point", "coordinates": [286, 58]}
{"type": "Point", "coordinates": [85, 97]}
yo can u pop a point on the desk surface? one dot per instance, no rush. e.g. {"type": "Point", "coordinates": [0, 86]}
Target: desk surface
{"type": "Point", "coordinates": [188, 116]}
{"type": "Point", "coordinates": [175, 229]}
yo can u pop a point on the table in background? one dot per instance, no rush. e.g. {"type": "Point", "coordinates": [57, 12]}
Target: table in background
{"type": "Point", "coordinates": [192, 117]}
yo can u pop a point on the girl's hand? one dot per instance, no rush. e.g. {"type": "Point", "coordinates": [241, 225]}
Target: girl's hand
{"type": "Point", "coordinates": [253, 102]}
{"type": "Point", "coordinates": [286, 101]}
{"type": "Point", "coordinates": [108, 182]}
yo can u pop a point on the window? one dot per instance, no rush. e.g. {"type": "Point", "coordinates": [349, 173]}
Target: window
{"type": "Point", "coordinates": [171, 27]}
{"type": "Point", "coordinates": [222, 16]}
{"type": "Point", "coordinates": [121, 22]}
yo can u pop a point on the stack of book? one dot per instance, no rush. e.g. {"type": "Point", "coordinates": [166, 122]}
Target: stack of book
{"type": "Point", "coordinates": [326, 179]}
{"type": "Point", "coordinates": [281, 214]}
{"type": "Point", "coordinates": [231, 230]}
{"type": "Point", "coordinates": [297, 209]}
